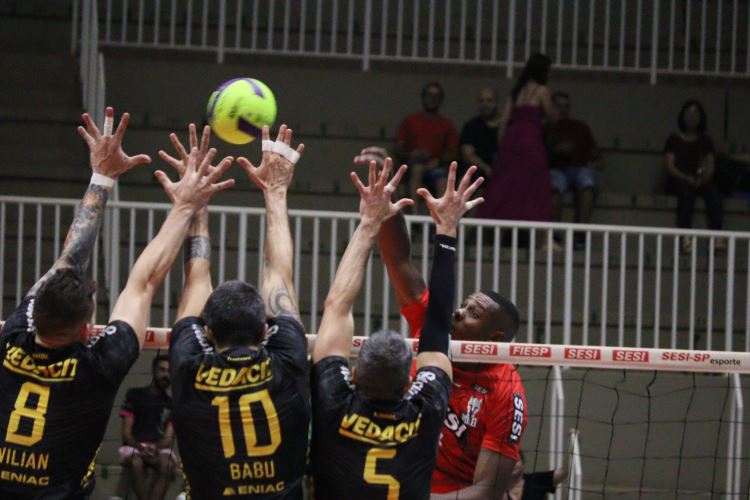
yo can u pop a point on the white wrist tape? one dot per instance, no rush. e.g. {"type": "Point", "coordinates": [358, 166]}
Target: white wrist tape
{"type": "Point", "coordinates": [102, 180]}
{"type": "Point", "coordinates": [281, 148]}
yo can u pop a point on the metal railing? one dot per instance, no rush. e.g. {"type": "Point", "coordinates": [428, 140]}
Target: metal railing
{"type": "Point", "coordinates": [91, 60]}
{"type": "Point", "coordinates": [629, 286]}
{"type": "Point", "coordinates": [659, 37]}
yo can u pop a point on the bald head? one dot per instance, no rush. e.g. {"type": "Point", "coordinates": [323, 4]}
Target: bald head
{"type": "Point", "coordinates": [487, 103]}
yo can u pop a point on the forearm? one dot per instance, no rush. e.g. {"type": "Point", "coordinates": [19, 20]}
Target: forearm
{"type": "Point", "coordinates": [436, 331]}
{"type": "Point", "coordinates": [279, 248]}
{"type": "Point", "coordinates": [129, 440]}
{"type": "Point", "coordinates": [395, 249]}
{"type": "Point", "coordinates": [197, 257]}
{"type": "Point", "coordinates": [79, 243]}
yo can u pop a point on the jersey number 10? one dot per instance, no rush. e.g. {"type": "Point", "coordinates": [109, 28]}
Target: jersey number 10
{"type": "Point", "coordinates": [36, 414]}
{"type": "Point", "coordinates": [248, 424]}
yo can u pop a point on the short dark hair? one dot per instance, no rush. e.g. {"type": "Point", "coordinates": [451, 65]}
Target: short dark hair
{"type": "Point", "coordinates": [510, 319]}
{"type": "Point", "coordinates": [702, 126]}
{"type": "Point", "coordinates": [560, 94]}
{"type": "Point", "coordinates": [158, 359]}
{"type": "Point", "coordinates": [383, 366]}
{"type": "Point", "coordinates": [235, 313]}
{"type": "Point", "coordinates": [64, 301]}
{"type": "Point", "coordinates": [437, 86]}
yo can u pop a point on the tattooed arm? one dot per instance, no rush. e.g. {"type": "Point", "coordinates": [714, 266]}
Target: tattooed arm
{"type": "Point", "coordinates": [108, 159]}
{"type": "Point", "coordinates": [197, 254]}
{"type": "Point", "coordinates": [273, 176]}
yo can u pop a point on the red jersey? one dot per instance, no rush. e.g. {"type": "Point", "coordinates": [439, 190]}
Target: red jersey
{"type": "Point", "coordinates": [432, 134]}
{"type": "Point", "coordinates": [487, 409]}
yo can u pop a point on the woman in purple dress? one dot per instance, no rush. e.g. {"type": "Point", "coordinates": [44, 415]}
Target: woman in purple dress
{"type": "Point", "coordinates": [520, 187]}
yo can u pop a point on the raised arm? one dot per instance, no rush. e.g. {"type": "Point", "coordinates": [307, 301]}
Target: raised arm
{"type": "Point", "coordinates": [108, 162]}
{"type": "Point", "coordinates": [446, 211]}
{"type": "Point", "coordinates": [273, 177]}
{"type": "Point", "coordinates": [197, 245]}
{"type": "Point", "coordinates": [395, 245]}
{"type": "Point", "coordinates": [189, 195]}
{"type": "Point", "coordinates": [337, 326]}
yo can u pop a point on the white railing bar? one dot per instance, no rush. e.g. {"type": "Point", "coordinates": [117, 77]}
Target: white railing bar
{"type": "Point", "coordinates": [574, 33]}
{"type": "Point", "coordinates": [747, 299]}
{"type": "Point", "coordinates": [657, 291]}
{"type": "Point", "coordinates": [242, 248]}
{"type": "Point", "coordinates": [384, 28]}
{"type": "Point", "coordinates": [529, 15]}
{"type": "Point", "coordinates": [672, 13]}
{"type": "Point", "coordinates": [108, 21]}
{"type": "Point", "coordinates": [56, 233]}
{"type": "Point", "coordinates": [543, 29]}
{"type": "Point", "coordinates": [114, 259]}
{"type": "Point", "coordinates": [204, 24]}
{"type": "Point", "coordinates": [605, 287]}
{"type": "Point", "coordinates": [531, 285]}
{"type": "Point", "coordinates": [548, 292]}
{"type": "Point", "coordinates": [639, 295]}
{"type": "Point", "coordinates": [688, 11]}
{"type": "Point", "coordinates": [622, 34]}
{"type": "Point", "coordinates": [654, 41]}
{"type": "Point", "coordinates": [38, 249]}
{"type": "Point", "coordinates": [415, 31]}
{"type": "Point", "coordinates": [2, 257]}
{"type": "Point", "coordinates": [131, 243]}
{"type": "Point", "coordinates": [368, 296]}
{"type": "Point", "coordinates": [157, 20]}
{"type": "Point", "coordinates": [173, 21]}
{"type": "Point", "coordinates": [703, 36]}
{"type": "Point", "coordinates": [735, 13]}
{"type": "Point", "coordinates": [188, 24]}
{"type": "Point", "coordinates": [478, 33]}
{"type": "Point", "coordinates": [139, 32]}
{"type": "Point", "coordinates": [165, 311]}
{"type": "Point", "coordinates": [386, 299]}
{"type": "Point", "coordinates": [367, 36]}
{"type": "Point", "coordinates": [256, 22]}
{"type": "Point", "coordinates": [568, 288]}
{"type": "Point", "coordinates": [586, 289]}
{"type": "Point", "coordinates": [303, 26]}
{"type": "Point", "coordinates": [461, 262]}
{"type": "Point", "coordinates": [403, 326]}
{"type": "Point", "coordinates": [558, 51]}
{"type": "Point", "coordinates": [590, 54]}
{"type": "Point", "coordinates": [447, 33]}
{"type": "Point", "coordinates": [350, 28]}
{"type": "Point", "coordinates": [729, 317]}
{"type": "Point", "coordinates": [638, 20]}
{"type": "Point", "coordinates": [222, 246]}
{"type": "Point", "coordinates": [297, 242]}
{"type": "Point", "coordinates": [333, 254]}
{"type": "Point", "coordinates": [623, 265]}
{"type": "Point", "coordinates": [511, 39]}
{"type": "Point", "coordinates": [262, 249]}
{"type": "Point", "coordinates": [496, 243]}
{"type": "Point", "coordinates": [462, 32]}
{"type": "Point", "coordinates": [430, 29]}
{"type": "Point", "coordinates": [318, 25]}
{"type": "Point", "coordinates": [691, 319]}
{"type": "Point", "coordinates": [221, 41]}
{"type": "Point", "coordinates": [271, 24]}
{"type": "Point", "coordinates": [285, 39]}
{"type": "Point", "coordinates": [719, 12]}
{"type": "Point", "coordinates": [399, 26]}
{"type": "Point", "coordinates": [513, 265]}
{"type": "Point", "coordinates": [675, 289]}
{"type": "Point", "coordinates": [478, 260]}
{"type": "Point", "coordinates": [710, 296]}
{"type": "Point", "coordinates": [426, 252]}
{"type": "Point", "coordinates": [314, 279]}
{"type": "Point", "coordinates": [19, 253]}
{"type": "Point", "coordinates": [605, 46]}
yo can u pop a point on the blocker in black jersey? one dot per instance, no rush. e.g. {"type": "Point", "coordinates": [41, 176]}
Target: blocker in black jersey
{"type": "Point", "coordinates": [367, 449]}
{"type": "Point", "coordinates": [54, 407]}
{"type": "Point", "coordinates": [241, 415]}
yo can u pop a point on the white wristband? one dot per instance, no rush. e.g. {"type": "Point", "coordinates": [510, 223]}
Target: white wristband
{"type": "Point", "coordinates": [102, 180]}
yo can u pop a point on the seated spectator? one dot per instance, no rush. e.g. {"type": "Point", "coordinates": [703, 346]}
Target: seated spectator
{"type": "Point", "coordinates": [479, 135]}
{"type": "Point", "coordinates": [147, 433]}
{"type": "Point", "coordinates": [572, 154]}
{"type": "Point", "coordinates": [690, 160]}
{"type": "Point", "coordinates": [427, 142]}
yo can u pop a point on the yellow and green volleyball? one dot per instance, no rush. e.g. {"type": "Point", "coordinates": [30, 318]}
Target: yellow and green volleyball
{"type": "Point", "coordinates": [239, 108]}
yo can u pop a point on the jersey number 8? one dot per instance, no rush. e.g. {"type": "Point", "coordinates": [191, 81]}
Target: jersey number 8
{"type": "Point", "coordinates": [35, 414]}
{"type": "Point", "coordinates": [248, 425]}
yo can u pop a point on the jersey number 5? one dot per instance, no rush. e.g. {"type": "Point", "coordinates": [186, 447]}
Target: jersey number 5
{"type": "Point", "coordinates": [35, 414]}
{"type": "Point", "coordinates": [372, 477]}
{"type": "Point", "coordinates": [248, 425]}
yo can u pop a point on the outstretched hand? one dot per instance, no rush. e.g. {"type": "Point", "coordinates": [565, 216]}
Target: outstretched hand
{"type": "Point", "coordinates": [448, 209]}
{"type": "Point", "coordinates": [371, 153]}
{"type": "Point", "coordinates": [105, 149]}
{"type": "Point", "coordinates": [197, 184]}
{"type": "Point", "coordinates": [275, 171]}
{"type": "Point", "coordinates": [181, 164]}
{"type": "Point", "coordinates": [375, 204]}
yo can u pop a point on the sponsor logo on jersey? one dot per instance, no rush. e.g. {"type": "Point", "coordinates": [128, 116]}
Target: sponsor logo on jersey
{"type": "Point", "coordinates": [478, 388]}
{"type": "Point", "coordinates": [481, 349]}
{"type": "Point", "coordinates": [469, 417]}
{"type": "Point", "coordinates": [582, 353]}
{"type": "Point", "coordinates": [516, 427]}
{"type": "Point", "coordinates": [423, 377]}
{"type": "Point", "coordinates": [453, 423]}
{"type": "Point", "coordinates": [26, 459]}
{"type": "Point", "coordinates": [530, 351]}
{"type": "Point", "coordinates": [361, 428]}
{"type": "Point", "coordinates": [16, 360]}
{"type": "Point", "coordinates": [221, 379]}
{"type": "Point", "coordinates": [629, 356]}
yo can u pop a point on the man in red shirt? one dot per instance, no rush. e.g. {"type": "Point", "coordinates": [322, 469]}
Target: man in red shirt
{"type": "Point", "coordinates": [481, 437]}
{"type": "Point", "coordinates": [427, 142]}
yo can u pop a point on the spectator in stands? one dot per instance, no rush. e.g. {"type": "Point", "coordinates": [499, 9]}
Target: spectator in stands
{"type": "Point", "coordinates": [572, 154]}
{"type": "Point", "coordinates": [479, 136]}
{"type": "Point", "coordinates": [690, 160]}
{"type": "Point", "coordinates": [520, 186]}
{"type": "Point", "coordinates": [427, 142]}
{"type": "Point", "coordinates": [147, 433]}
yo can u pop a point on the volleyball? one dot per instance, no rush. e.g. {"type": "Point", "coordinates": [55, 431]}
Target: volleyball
{"type": "Point", "coordinates": [239, 108]}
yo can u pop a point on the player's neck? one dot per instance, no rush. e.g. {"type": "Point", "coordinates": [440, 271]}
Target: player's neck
{"type": "Point", "coordinates": [54, 343]}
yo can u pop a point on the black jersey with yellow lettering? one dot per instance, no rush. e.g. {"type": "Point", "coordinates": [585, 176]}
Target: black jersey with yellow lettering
{"type": "Point", "coordinates": [241, 415]}
{"type": "Point", "coordinates": [54, 406]}
{"type": "Point", "coordinates": [375, 449]}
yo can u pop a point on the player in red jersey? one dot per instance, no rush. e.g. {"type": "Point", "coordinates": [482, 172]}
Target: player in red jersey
{"type": "Point", "coordinates": [481, 437]}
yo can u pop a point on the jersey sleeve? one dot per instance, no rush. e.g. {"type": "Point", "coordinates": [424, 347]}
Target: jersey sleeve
{"type": "Point", "coordinates": [286, 341]}
{"type": "Point", "coordinates": [433, 387]}
{"type": "Point", "coordinates": [331, 383]}
{"type": "Point", "coordinates": [188, 339]}
{"type": "Point", "coordinates": [19, 320]}
{"type": "Point", "coordinates": [114, 351]}
{"type": "Point", "coordinates": [416, 313]}
{"type": "Point", "coordinates": [507, 420]}
{"type": "Point", "coordinates": [127, 409]}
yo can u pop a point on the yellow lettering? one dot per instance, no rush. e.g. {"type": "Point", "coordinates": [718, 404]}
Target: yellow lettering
{"type": "Point", "coordinates": [348, 420]}
{"type": "Point", "coordinates": [234, 471]}
{"type": "Point", "coordinates": [227, 375]}
{"type": "Point", "coordinates": [400, 429]}
{"type": "Point", "coordinates": [373, 430]}
{"type": "Point", "coordinates": [361, 424]}
{"type": "Point", "coordinates": [213, 376]}
{"type": "Point", "coordinates": [387, 434]}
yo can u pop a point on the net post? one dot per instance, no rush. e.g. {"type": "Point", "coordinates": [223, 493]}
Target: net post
{"type": "Point", "coordinates": [557, 411]}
